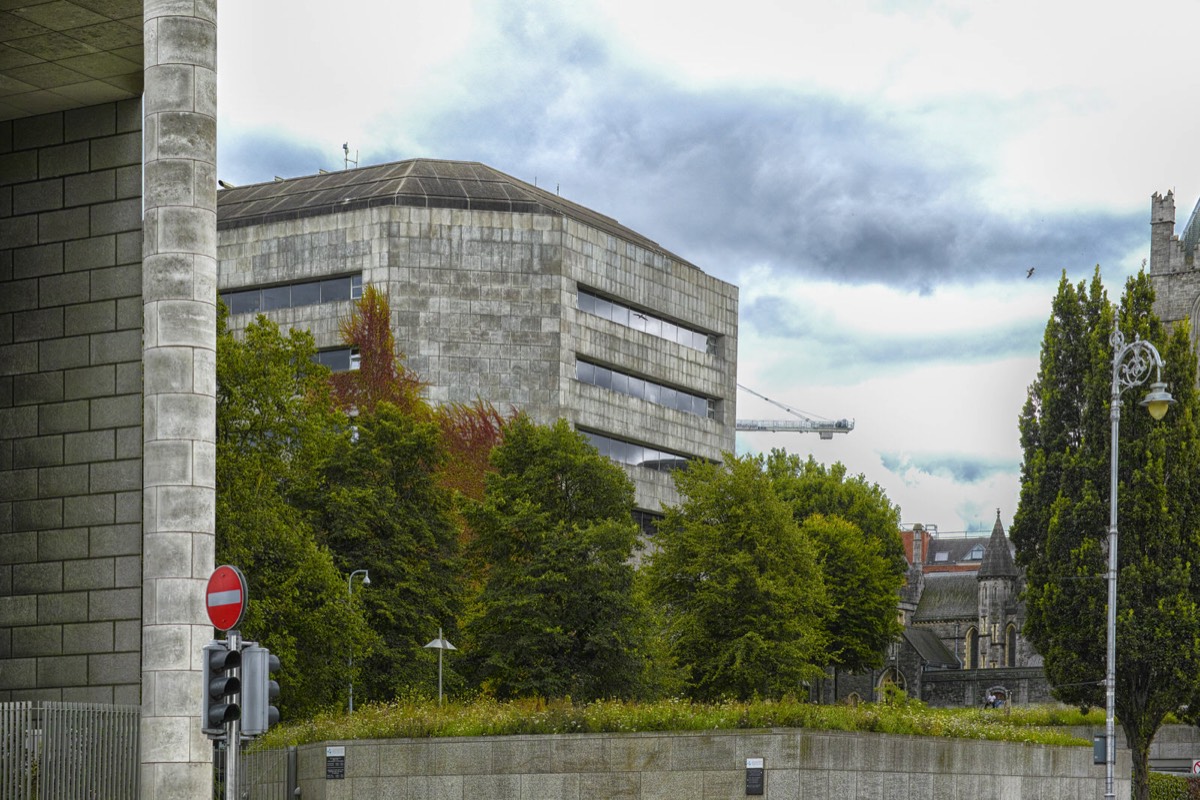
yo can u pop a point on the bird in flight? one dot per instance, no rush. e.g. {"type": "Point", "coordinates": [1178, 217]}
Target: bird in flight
{"type": "Point", "coordinates": [1029, 274]}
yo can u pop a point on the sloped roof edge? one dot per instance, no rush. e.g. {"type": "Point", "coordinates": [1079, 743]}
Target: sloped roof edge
{"type": "Point", "coordinates": [418, 182]}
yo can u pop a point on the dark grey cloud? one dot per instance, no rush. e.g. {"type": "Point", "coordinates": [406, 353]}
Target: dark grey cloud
{"type": "Point", "coordinates": [956, 466]}
{"type": "Point", "coordinates": [730, 178]}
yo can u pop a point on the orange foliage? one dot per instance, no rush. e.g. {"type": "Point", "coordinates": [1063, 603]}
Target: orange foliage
{"type": "Point", "coordinates": [382, 375]}
{"type": "Point", "coordinates": [469, 432]}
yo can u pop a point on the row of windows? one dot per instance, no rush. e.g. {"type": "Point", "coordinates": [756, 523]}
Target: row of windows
{"type": "Point", "coordinates": [650, 391]}
{"type": "Point", "coordinates": [342, 359]}
{"type": "Point", "coordinates": [643, 321]}
{"type": "Point", "coordinates": [637, 455]}
{"type": "Point", "coordinates": [293, 295]}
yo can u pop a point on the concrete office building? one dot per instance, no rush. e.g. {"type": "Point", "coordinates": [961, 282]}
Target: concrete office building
{"type": "Point", "coordinates": [502, 291]}
{"type": "Point", "coordinates": [107, 364]}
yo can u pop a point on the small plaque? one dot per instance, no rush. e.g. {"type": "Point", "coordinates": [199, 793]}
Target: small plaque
{"type": "Point", "coordinates": [756, 778]}
{"type": "Point", "coordinates": [335, 763]}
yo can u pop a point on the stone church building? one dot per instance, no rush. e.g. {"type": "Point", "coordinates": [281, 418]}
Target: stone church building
{"type": "Point", "coordinates": [962, 617]}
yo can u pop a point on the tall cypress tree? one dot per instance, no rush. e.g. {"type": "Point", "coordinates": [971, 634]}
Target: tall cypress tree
{"type": "Point", "coordinates": [1061, 525]}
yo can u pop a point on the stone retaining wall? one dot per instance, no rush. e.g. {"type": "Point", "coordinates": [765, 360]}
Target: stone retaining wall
{"type": "Point", "coordinates": [699, 766]}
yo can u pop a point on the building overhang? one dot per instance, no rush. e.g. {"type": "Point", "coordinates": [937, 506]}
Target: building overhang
{"type": "Point", "coordinates": [56, 55]}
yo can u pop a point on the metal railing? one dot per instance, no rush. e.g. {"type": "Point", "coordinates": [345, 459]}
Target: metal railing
{"type": "Point", "coordinates": [262, 774]}
{"type": "Point", "coordinates": [67, 751]}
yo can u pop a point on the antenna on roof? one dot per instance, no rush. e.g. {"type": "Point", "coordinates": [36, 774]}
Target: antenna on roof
{"type": "Point", "coordinates": [347, 160]}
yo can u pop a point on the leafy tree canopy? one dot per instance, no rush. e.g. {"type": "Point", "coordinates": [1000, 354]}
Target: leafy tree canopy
{"type": "Point", "coordinates": [556, 613]}
{"type": "Point", "coordinates": [856, 532]}
{"type": "Point", "coordinates": [739, 585]}
{"type": "Point", "coordinates": [275, 425]}
{"type": "Point", "coordinates": [1061, 525]}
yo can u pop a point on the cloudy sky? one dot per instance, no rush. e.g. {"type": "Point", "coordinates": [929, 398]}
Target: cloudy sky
{"type": "Point", "coordinates": [876, 177]}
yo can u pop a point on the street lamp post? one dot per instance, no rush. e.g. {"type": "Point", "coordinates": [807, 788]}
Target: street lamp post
{"type": "Point", "coordinates": [350, 661]}
{"type": "Point", "coordinates": [440, 644]}
{"type": "Point", "coordinates": [1131, 367]}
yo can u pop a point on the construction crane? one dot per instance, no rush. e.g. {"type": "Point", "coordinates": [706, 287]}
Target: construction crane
{"type": "Point", "coordinates": [803, 424]}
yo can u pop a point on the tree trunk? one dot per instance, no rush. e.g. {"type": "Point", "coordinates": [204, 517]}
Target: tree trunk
{"type": "Point", "coordinates": [1139, 749]}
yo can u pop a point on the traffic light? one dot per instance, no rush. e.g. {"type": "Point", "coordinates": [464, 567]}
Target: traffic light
{"type": "Point", "coordinates": [259, 690]}
{"type": "Point", "coordinates": [221, 688]}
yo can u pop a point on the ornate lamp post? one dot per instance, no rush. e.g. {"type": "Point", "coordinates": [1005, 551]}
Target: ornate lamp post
{"type": "Point", "coordinates": [350, 593]}
{"type": "Point", "coordinates": [1131, 367]}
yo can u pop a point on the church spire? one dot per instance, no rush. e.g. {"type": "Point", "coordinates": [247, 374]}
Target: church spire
{"type": "Point", "coordinates": [997, 558]}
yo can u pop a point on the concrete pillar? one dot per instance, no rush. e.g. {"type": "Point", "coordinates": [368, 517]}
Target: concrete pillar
{"type": "Point", "coordinates": [179, 281]}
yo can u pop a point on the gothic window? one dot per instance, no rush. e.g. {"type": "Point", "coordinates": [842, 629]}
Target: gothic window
{"type": "Point", "coordinates": [971, 654]}
{"type": "Point", "coordinates": [1010, 646]}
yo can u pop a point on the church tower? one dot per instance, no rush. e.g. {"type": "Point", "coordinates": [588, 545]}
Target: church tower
{"type": "Point", "coordinates": [997, 578]}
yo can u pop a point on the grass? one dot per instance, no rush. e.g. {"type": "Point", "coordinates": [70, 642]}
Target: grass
{"type": "Point", "coordinates": [485, 717]}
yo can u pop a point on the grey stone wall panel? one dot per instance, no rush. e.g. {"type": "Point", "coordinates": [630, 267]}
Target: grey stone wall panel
{"type": "Point", "coordinates": [89, 382]}
{"type": "Point", "coordinates": [86, 254]}
{"type": "Point", "coordinates": [38, 387]}
{"type": "Point", "coordinates": [63, 544]}
{"type": "Point", "coordinates": [39, 131]}
{"type": "Point", "coordinates": [89, 446]}
{"type": "Point", "coordinates": [90, 123]}
{"type": "Point", "coordinates": [66, 353]}
{"type": "Point", "coordinates": [89, 188]}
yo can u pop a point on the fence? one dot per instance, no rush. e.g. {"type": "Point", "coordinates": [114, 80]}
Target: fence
{"type": "Point", "coordinates": [262, 774]}
{"type": "Point", "coordinates": [68, 751]}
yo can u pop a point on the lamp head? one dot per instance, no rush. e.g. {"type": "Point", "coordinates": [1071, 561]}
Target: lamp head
{"type": "Point", "coordinates": [1158, 400]}
{"type": "Point", "coordinates": [367, 575]}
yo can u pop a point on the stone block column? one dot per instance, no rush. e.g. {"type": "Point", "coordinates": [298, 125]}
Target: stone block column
{"type": "Point", "coordinates": [179, 354]}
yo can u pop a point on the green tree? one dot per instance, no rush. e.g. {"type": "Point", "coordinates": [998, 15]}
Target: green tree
{"type": "Point", "coordinates": [856, 532]}
{"type": "Point", "coordinates": [275, 425]}
{"type": "Point", "coordinates": [556, 613]}
{"type": "Point", "coordinates": [738, 584]}
{"type": "Point", "coordinates": [1061, 526]}
{"type": "Point", "coordinates": [381, 508]}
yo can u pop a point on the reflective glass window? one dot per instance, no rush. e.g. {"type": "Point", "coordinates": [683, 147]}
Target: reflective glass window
{"type": "Point", "coordinates": [276, 297]}
{"type": "Point", "coordinates": [335, 289]}
{"type": "Point", "coordinates": [355, 287]}
{"type": "Point", "coordinates": [587, 302]}
{"type": "Point", "coordinates": [244, 302]}
{"type": "Point", "coordinates": [306, 294]}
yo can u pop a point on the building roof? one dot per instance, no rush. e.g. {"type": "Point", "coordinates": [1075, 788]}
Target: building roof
{"type": "Point", "coordinates": [997, 557]}
{"type": "Point", "coordinates": [417, 182]}
{"type": "Point", "coordinates": [932, 650]}
{"type": "Point", "coordinates": [957, 551]}
{"type": "Point", "coordinates": [948, 596]}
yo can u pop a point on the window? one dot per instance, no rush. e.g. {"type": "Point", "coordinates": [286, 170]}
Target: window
{"type": "Point", "coordinates": [1010, 645]}
{"type": "Point", "coordinates": [634, 454]}
{"type": "Point", "coordinates": [341, 359]}
{"type": "Point", "coordinates": [943, 556]}
{"type": "Point", "coordinates": [678, 399]}
{"type": "Point", "coordinates": [976, 553]}
{"type": "Point", "coordinates": [642, 320]}
{"type": "Point", "coordinates": [293, 295]}
{"type": "Point", "coordinates": [971, 654]}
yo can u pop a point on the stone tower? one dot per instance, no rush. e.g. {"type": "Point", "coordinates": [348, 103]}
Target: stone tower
{"type": "Point", "coordinates": [997, 579]}
{"type": "Point", "coordinates": [1173, 267]}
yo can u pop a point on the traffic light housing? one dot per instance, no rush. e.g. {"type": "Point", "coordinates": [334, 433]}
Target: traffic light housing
{"type": "Point", "coordinates": [259, 690]}
{"type": "Point", "coordinates": [221, 688]}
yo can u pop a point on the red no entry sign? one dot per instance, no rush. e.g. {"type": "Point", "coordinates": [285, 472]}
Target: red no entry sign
{"type": "Point", "coordinates": [225, 597]}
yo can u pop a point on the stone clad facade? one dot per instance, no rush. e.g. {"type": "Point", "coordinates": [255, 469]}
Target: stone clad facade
{"type": "Point", "coordinates": [71, 405]}
{"type": "Point", "coordinates": [107, 364]}
{"type": "Point", "coordinates": [505, 292]}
